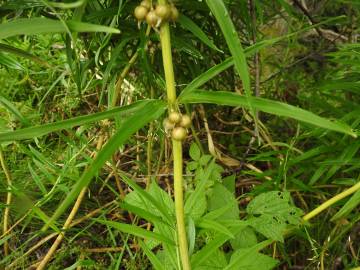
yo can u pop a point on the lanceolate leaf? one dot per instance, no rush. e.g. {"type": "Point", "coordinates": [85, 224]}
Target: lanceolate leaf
{"type": "Point", "coordinates": [133, 123]}
{"type": "Point", "coordinates": [137, 231]}
{"type": "Point", "coordinates": [265, 105]}
{"type": "Point", "coordinates": [228, 29]}
{"type": "Point", "coordinates": [22, 53]}
{"type": "Point", "coordinates": [188, 24]}
{"type": "Point", "coordinates": [11, 108]}
{"type": "Point", "coordinates": [36, 131]}
{"type": "Point", "coordinates": [34, 26]}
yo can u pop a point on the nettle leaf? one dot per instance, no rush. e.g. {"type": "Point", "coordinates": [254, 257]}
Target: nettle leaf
{"type": "Point", "coordinates": [222, 197]}
{"type": "Point", "coordinates": [272, 212]}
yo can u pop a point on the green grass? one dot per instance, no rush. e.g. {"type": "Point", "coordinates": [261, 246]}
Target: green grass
{"type": "Point", "coordinates": [254, 164]}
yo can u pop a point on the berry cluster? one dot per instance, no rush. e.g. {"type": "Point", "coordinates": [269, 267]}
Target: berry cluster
{"type": "Point", "coordinates": [154, 16]}
{"type": "Point", "coordinates": [178, 124]}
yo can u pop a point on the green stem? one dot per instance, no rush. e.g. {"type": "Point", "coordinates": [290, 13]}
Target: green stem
{"type": "Point", "coordinates": [168, 64]}
{"type": "Point", "coordinates": [330, 202]}
{"type": "Point", "coordinates": [177, 146]}
{"type": "Point", "coordinates": [179, 204]}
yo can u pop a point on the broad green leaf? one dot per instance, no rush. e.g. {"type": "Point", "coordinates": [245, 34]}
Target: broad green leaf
{"type": "Point", "coordinates": [266, 105]}
{"type": "Point", "coordinates": [149, 112]}
{"type": "Point", "coordinates": [36, 131]}
{"type": "Point", "coordinates": [222, 197]}
{"type": "Point", "coordinates": [151, 256]}
{"type": "Point", "coordinates": [135, 230]}
{"type": "Point", "coordinates": [353, 202]}
{"type": "Point", "coordinates": [244, 239]}
{"type": "Point", "coordinates": [276, 204]}
{"type": "Point", "coordinates": [214, 225]}
{"type": "Point", "coordinates": [34, 26]}
{"type": "Point", "coordinates": [272, 212]}
{"type": "Point", "coordinates": [11, 108]}
{"type": "Point", "coordinates": [250, 259]}
{"type": "Point", "coordinates": [217, 261]}
{"type": "Point", "coordinates": [188, 24]}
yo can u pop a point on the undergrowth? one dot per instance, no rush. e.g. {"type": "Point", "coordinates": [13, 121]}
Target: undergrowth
{"type": "Point", "coordinates": [207, 135]}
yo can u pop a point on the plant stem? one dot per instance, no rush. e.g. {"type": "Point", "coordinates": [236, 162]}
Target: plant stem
{"type": "Point", "coordinates": [331, 201]}
{"type": "Point", "coordinates": [8, 200]}
{"type": "Point", "coordinates": [168, 63]}
{"type": "Point", "coordinates": [177, 145]}
{"type": "Point", "coordinates": [179, 204]}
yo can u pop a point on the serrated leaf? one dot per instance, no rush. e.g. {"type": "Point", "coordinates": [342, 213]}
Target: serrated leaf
{"type": "Point", "coordinates": [269, 227]}
{"type": "Point", "coordinates": [275, 204]}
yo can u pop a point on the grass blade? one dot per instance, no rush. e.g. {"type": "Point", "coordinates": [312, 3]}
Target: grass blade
{"type": "Point", "coordinates": [268, 106]}
{"type": "Point", "coordinates": [137, 231]}
{"type": "Point", "coordinates": [33, 26]}
{"type": "Point", "coordinates": [36, 131]}
{"type": "Point", "coordinates": [188, 24]}
{"type": "Point", "coordinates": [22, 53]}
{"type": "Point", "coordinates": [11, 108]}
{"type": "Point", "coordinates": [133, 123]}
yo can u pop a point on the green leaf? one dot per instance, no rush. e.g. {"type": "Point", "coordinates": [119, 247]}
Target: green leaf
{"type": "Point", "coordinates": [34, 26]}
{"type": "Point", "coordinates": [10, 62]}
{"type": "Point", "coordinates": [137, 231]}
{"type": "Point", "coordinates": [250, 259]}
{"type": "Point", "coordinates": [244, 239]}
{"type": "Point", "coordinates": [36, 131]}
{"type": "Point", "coordinates": [273, 211]}
{"type": "Point", "coordinates": [152, 257]}
{"type": "Point", "coordinates": [149, 201]}
{"type": "Point", "coordinates": [265, 105]}
{"type": "Point", "coordinates": [348, 207]}
{"type": "Point", "coordinates": [214, 225]}
{"type": "Point", "coordinates": [141, 213]}
{"type": "Point", "coordinates": [222, 197]}
{"type": "Point", "coordinates": [194, 152]}
{"type": "Point", "coordinates": [11, 108]}
{"type": "Point", "coordinates": [228, 29]}
{"type": "Point", "coordinates": [149, 112]}
{"type": "Point", "coordinates": [222, 16]}
{"type": "Point", "coordinates": [188, 24]}
{"type": "Point", "coordinates": [22, 53]}
{"type": "Point", "coordinates": [212, 246]}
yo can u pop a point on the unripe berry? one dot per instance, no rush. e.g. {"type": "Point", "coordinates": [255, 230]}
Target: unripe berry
{"type": "Point", "coordinates": [175, 117]}
{"type": "Point", "coordinates": [185, 121]}
{"type": "Point", "coordinates": [163, 11]}
{"type": "Point", "coordinates": [140, 13]}
{"type": "Point", "coordinates": [178, 134]}
{"type": "Point", "coordinates": [146, 4]}
{"type": "Point", "coordinates": [174, 14]}
{"type": "Point", "coordinates": [168, 125]}
{"type": "Point", "coordinates": [151, 18]}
